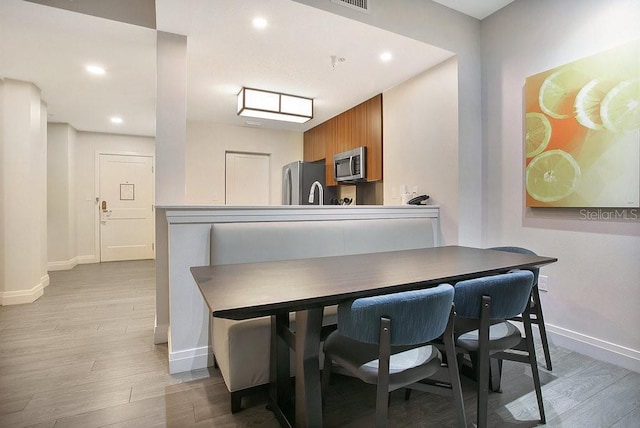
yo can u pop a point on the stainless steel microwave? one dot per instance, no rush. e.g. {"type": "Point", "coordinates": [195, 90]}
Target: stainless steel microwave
{"type": "Point", "coordinates": [350, 166]}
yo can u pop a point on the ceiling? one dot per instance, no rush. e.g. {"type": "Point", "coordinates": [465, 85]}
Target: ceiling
{"type": "Point", "coordinates": [50, 47]}
{"type": "Point", "coordinates": [478, 9]}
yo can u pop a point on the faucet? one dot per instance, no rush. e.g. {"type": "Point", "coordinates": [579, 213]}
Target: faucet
{"type": "Point", "coordinates": [321, 193]}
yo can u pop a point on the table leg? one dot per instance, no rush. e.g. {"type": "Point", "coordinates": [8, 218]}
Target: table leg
{"type": "Point", "coordinates": [308, 385]}
{"type": "Point", "coordinates": [280, 387]}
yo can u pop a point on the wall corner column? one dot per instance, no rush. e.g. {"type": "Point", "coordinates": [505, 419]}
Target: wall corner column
{"type": "Point", "coordinates": [23, 176]}
{"type": "Point", "coordinates": [171, 140]}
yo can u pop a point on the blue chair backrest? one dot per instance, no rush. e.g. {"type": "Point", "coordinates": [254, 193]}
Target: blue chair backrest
{"type": "Point", "coordinates": [520, 250]}
{"type": "Point", "coordinates": [509, 294]}
{"type": "Point", "coordinates": [417, 316]}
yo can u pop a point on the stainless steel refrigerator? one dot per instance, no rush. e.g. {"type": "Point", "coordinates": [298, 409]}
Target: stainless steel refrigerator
{"type": "Point", "coordinates": [297, 179]}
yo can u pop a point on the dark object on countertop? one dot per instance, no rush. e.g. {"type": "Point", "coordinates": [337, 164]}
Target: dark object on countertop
{"type": "Point", "coordinates": [419, 200]}
{"type": "Point", "coordinates": [341, 201]}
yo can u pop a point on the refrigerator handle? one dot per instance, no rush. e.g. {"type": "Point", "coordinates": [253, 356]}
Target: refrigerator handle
{"type": "Point", "coordinates": [287, 186]}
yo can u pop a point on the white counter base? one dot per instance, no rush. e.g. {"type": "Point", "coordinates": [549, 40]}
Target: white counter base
{"type": "Point", "coordinates": [182, 240]}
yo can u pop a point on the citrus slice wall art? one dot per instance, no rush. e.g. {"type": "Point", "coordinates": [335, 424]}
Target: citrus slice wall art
{"type": "Point", "coordinates": [582, 132]}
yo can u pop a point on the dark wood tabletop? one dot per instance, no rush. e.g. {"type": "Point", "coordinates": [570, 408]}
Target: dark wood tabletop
{"type": "Point", "coordinates": [248, 290]}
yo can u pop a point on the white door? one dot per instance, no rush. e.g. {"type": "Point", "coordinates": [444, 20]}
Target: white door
{"type": "Point", "coordinates": [127, 229]}
{"type": "Point", "coordinates": [247, 179]}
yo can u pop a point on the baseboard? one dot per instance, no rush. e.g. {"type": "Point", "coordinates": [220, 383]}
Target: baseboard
{"type": "Point", "coordinates": [70, 264]}
{"type": "Point", "coordinates": [19, 297]}
{"type": "Point", "coordinates": [190, 359]}
{"type": "Point", "coordinates": [595, 348]}
{"type": "Point", "coordinates": [87, 259]}
{"type": "Point", "coordinates": [44, 280]}
{"type": "Point", "coordinates": [62, 265]}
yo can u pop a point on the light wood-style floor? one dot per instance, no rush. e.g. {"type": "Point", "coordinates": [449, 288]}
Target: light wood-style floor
{"type": "Point", "coordinates": [83, 356]}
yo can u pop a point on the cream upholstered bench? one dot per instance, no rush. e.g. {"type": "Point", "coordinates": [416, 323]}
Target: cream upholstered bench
{"type": "Point", "coordinates": [242, 348]}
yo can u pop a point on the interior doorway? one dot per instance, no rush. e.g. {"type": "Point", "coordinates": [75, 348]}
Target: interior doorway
{"type": "Point", "coordinates": [125, 205]}
{"type": "Point", "coordinates": [247, 179]}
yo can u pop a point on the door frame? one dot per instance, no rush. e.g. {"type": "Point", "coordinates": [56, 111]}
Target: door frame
{"type": "Point", "coordinates": [96, 196]}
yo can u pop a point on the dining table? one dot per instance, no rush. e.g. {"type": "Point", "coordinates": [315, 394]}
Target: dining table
{"type": "Point", "coordinates": [306, 286]}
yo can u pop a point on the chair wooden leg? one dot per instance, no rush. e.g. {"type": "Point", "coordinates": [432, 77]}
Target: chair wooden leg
{"type": "Point", "coordinates": [384, 357]}
{"type": "Point", "coordinates": [454, 373]}
{"type": "Point", "coordinates": [535, 293]}
{"type": "Point", "coordinates": [483, 363]}
{"type": "Point", "coordinates": [326, 377]}
{"type": "Point", "coordinates": [526, 321]}
{"type": "Point", "coordinates": [495, 371]}
{"type": "Point", "coordinates": [471, 371]}
{"type": "Point", "coordinates": [382, 407]}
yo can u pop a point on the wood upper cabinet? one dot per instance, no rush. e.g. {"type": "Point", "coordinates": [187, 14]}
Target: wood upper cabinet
{"type": "Point", "coordinates": [329, 141]}
{"type": "Point", "coordinates": [313, 145]}
{"type": "Point", "coordinates": [373, 139]}
{"type": "Point", "coordinates": [320, 143]}
{"type": "Point", "coordinates": [356, 127]}
{"type": "Point", "coordinates": [345, 128]}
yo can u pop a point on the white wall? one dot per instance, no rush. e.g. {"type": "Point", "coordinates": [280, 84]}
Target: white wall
{"type": "Point", "coordinates": [594, 288]}
{"type": "Point", "coordinates": [73, 235]}
{"type": "Point", "coordinates": [439, 26]}
{"type": "Point", "coordinates": [207, 143]}
{"type": "Point", "coordinates": [171, 118]}
{"type": "Point", "coordinates": [61, 196]}
{"type": "Point", "coordinates": [88, 146]}
{"type": "Point", "coordinates": [23, 178]}
{"type": "Point", "coordinates": [72, 207]}
{"type": "Point", "coordinates": [420, 135]}
{"type": "Point", "coordinates": [2, 192]}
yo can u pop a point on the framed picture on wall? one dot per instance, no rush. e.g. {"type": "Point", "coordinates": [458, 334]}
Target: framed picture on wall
{"type": "Point", "coordinates": [582, 132]}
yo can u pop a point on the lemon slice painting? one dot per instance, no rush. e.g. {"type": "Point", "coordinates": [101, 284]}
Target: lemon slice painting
{"type": "Point", "coordinates": [582, 132]}
{"type": "Point", "coordinates": [537, 133]}
{"type": "Point", "coordinates": [620, 108]}
{"type": "Point", "coordinates": [588, 102]}
{"type": "Point", "coordinates": [558, 92]}
{"type": "Point", "coordinates": [552, 175]}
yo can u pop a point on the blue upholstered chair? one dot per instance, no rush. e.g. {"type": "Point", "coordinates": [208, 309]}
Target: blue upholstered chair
{"type": "Point", "coordinates": [383, 340]}
{"type": "Point", "coordinates": [482, 307]}
{"type": "Point", "coordinates": [535, 305]}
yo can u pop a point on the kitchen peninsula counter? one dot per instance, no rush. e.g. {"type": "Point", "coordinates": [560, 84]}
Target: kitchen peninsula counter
{"type": "Point", "coordinates": [183, 241]}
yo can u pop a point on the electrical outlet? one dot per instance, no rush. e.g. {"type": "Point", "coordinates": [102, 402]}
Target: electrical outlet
{"type": "Point", "coordinates": [543, 283]}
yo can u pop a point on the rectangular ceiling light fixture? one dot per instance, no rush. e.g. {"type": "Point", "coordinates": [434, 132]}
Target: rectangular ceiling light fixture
{"type": "Point", "coordinates": [274, 105]}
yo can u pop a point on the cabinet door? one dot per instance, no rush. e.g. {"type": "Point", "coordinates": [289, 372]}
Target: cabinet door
{"type": "Point", "coordinates": [345, 129]}
{"type": "Point", "coordinates": [374, 138]}
{"type": "Point", "coordinates": [308, 147]}
{"type": "Point", "coordinates": [313, 144]}
{"type": "Point", "coordinates": [329, 144]}
{"type": "Point", "coordinates": [359, 126]}
{"type": "Point", "coordinates": [320, 143]}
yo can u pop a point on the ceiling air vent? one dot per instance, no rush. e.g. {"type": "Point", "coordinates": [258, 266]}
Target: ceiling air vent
{"type": "Point", "coordinates": [359, 5]}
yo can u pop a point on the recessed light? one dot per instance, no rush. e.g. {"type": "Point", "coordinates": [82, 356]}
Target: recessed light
{"type": "Point", "coordinates": [386, 56]}
{"type": "Point", "coordinates": [259, 23]}
{"type": "Point", "coordinates": [117, 120]}
{"type": "Point", "coordinates": [95, 69]}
